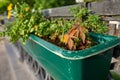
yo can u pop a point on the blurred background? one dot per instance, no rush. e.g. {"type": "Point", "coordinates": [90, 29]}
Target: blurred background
{"type": "Point", "coordinates": [45, 4]}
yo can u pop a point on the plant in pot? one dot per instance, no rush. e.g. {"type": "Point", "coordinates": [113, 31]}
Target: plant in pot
{"type": "Point", "coordinates": [82, 53]}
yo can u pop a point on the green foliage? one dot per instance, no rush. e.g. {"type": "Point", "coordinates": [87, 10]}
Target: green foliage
{"type": "Point", "coordinates": [52, 3]}
{"type": "Point", "coordinates": [115, 75]}
{"type": "Point", "coordinates": [91, 0]}
{"type": "Point", "coordinates": [91, 21]}
{"type": "Point", "coordinates": [30, 20]}
{"type": "Point", "coordinates": [45, 3]}
{"type": "Point", "coordinates": [80, 13]}
{"type": "Point", "coordinates": [95, 24]}
{"type": "Point", "coordinates": [3, 5]}
{"type": "Point", "coordinates": [25, 20]}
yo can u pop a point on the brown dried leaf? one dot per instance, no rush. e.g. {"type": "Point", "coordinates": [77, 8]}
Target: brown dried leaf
{"type": "Point", "coordinates": [73, 37]}
{"type": "Point", "coordinates": [82, 47]}
{"type": "Point", "coordinates": [72, 32]}
{"type": "Point", "coordinates": [70, 44]}
{"type": "Point", "coordinates": [88, 42]}
{"type": "Point", "coordinates": [82, 34]}
{"type": "Point", "coordinates": [77, 33]}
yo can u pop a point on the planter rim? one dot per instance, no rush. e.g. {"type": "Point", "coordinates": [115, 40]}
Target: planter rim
{"type": "Point", "coordinates": [110, 42]}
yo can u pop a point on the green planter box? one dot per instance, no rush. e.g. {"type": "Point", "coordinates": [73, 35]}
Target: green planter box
{"type": "Point", "coordinates": [89, 64]}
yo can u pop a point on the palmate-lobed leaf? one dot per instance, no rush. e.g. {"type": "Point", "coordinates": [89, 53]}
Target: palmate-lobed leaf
{"type": "Point", "coordinates": [75, 32]}
{"type": "Point", "coordinates": [69, 38]}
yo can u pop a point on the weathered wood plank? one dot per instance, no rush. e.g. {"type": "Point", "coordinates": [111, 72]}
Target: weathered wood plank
{"type": "Point", "coordinates": [106, 7]}
{"type": "Point", "coordinates": [58, 12]}
{"type": "Point", "coordinates": [112, 19]}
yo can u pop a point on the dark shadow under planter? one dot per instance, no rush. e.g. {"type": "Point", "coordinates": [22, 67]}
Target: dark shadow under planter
{"type": "Point", "coordinates": [116, 52]}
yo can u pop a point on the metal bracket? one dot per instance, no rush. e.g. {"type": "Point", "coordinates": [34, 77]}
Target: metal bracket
{"type": "Point", "coordinates": [116, 30]}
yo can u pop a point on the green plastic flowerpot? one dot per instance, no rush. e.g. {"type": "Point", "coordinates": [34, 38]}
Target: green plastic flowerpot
{"type": "Point", "coordinates": [89, 64]}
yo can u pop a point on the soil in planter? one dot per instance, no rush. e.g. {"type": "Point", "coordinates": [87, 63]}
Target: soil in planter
{"type": "Point", "coordinates": [80, 45]}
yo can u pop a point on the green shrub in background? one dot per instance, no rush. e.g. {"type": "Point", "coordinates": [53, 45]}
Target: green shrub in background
{"type": "Point", "coordinates": [45, 4]}
{"type": "Point", "coordinates": [3, 5]}
{"type": "Point", "coordinates": [53, 3]}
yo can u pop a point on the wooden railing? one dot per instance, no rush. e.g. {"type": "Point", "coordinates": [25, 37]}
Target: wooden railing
{"type": "Point", "coordinates": [108, 8]}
